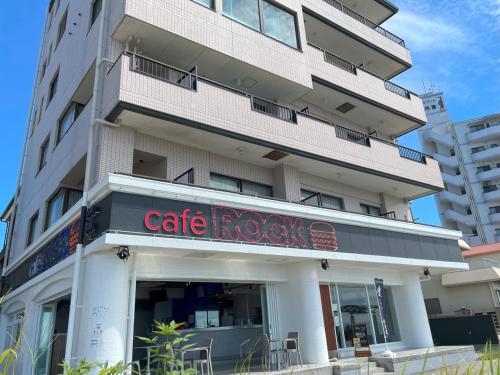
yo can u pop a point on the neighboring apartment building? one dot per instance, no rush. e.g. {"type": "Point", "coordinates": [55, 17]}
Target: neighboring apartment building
{"type": "Point", "coordinates": [230, 151]}
{"type": "Point", "coordinates": [468, 292]}
{"type": "Point", "coordinates": [470, 165]}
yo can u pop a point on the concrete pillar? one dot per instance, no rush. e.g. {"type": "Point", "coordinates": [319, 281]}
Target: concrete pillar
{"type": "Point", "coordinates": [301, 311]}
{"type": "Point", "coordinates": [286, 183]}
{"type": "Point", "coordinates": [103, 319]}
{"type": "Point", "coordinates": [411, 312]}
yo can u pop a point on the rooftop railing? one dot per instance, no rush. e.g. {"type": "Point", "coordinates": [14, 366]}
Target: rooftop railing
{"type": "Point", "coordinates": [367, 22]}
{"type": "Point", "coordinates": [189, 81]}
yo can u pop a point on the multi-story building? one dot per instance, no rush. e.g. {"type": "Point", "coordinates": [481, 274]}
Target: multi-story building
{"type": "Point", "coordinates": [230, 151]}
{"type": "Point", "coordinates": [470, 165]}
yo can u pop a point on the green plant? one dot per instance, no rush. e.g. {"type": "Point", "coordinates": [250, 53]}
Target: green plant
{"type": "Point", "coordinates": [84, 367]}
{"type": "Point", "coordinates": [166, 346]}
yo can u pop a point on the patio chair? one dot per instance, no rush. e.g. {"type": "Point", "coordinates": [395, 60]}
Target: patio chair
{"type": "Point", "coordinates": [268, 353]}
{"type": "Point", "coordinates": [203, 357]}
{"type": "Point", "coordinates": [293, 346]}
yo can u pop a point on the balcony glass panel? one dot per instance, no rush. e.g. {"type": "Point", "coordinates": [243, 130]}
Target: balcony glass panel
{"type": "Point", "coordinates": [244, 11]}
{"type": "Point", "coordinates": [279, 24]}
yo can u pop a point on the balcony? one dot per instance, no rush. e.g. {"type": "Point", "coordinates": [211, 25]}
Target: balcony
{"type": "Point", "coordinates": [392, 109]}
{"type": "Point", "coordinates": [484, 134]}
{"type": "Point", "coordinates": [448, 161]}
{"type": "Point", "coordinates": [207, 113]}
{"type": "Point", "coordinates": [495, 218]}
{"type": "Point", "coordinates": [465, 219]}
{"type": "Point", "coordinates": [461, 200]}
{"type": "Point", "coordinates": [337, 28]}
{"type": "Point", "coordinates": [492, 153]}
{"type": "Point", "coordinates": [442, 139]}
{"type": "Point", "coordinates": [455, 180]}
{"type": "Point", "coordinates": [489, 175]}
{"type": "Point", "coordinates": [492, 196]}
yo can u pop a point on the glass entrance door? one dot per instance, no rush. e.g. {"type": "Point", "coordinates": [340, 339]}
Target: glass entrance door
{"type": "Point", "coordinates": [45, 339]}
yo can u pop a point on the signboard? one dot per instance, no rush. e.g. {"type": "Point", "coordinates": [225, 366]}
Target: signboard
{"type": "Point", "coordinates": [58, 248]}
{"type": "Point", "coordinates": [379, 289]}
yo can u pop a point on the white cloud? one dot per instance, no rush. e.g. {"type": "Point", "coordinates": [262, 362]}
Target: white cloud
{"type": "Point", "coordinates": [423, 33]}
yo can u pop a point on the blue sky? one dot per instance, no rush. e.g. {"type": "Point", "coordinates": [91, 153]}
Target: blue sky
{"type": "Point", "coordinates": [455, 44]}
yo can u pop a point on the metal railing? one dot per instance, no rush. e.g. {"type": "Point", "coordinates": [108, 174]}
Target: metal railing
{"type": "Point", "coordinates": [162, 71]}
{"type": "Point", "coordinates": [389, 215]}
{"type": "Point", "coordinates": [372, 25]}
{"type": "Point", "coordinates": [414, 155]}
{"type": "Point", "coordinates": [352, 135]}
{"type": "Point", "coordinates": [273, 109]}
{"type": "Point", "coordinates": [338, 61]}
{"type": "Point", "coordinates": [397, 89]}
{"type": "Point", "coordinates": [189, 80]}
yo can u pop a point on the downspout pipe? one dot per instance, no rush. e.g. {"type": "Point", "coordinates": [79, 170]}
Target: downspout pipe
{"type": "Point", "coordinates": [87, 182]}
{"type": "Point", "coordinates": [24, 155]}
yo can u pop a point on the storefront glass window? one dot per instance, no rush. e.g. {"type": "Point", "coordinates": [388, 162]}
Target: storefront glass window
{"type": "Point", "coordinates": [390, 316]}
{"type": "Point", "coordinates": [355, 315]}
{"type": "Point", "coordinates": [279, 24]}
{"type": "Point", "coordinates": [244, 11]}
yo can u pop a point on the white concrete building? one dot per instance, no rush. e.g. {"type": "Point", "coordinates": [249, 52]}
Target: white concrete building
{"type": "Point", "coordinates": [227, 147]}
{"type": "Point", "coordinates": [470, 166]}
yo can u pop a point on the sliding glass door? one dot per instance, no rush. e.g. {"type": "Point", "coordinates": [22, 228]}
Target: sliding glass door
{"type": "Point", "coordinates": [45, 339]}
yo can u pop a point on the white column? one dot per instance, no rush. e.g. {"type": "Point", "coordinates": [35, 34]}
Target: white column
{"type": "Point", "coordinates": [411, 312]}
{"type": "Point", "coordinates": [301, 311]}
{"type": "Point", "coordinates": [102, 325]}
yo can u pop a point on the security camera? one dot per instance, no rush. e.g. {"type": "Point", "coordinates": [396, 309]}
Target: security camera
{"type": "Point", "coordinates": [123, 253]}
{"type": "Point", "coordinates": [324, 264]}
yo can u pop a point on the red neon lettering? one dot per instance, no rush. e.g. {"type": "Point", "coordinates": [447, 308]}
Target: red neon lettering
{"type": "Point", "coordinates": [147, 221]}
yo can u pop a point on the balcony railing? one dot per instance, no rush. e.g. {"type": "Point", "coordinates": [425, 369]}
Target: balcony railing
{"type": "Point", "coordinates": [162, 71]}
{"type": "Point", "coordinates": [352, 135]}
{"type": "Point", "coordinates": [189, 80]}
{"type": "Point", "coordinates": [414, 155]}
{"type": "Point", "coordinates": [352, 68]}
{"type": "Point", "coordinates": [273, 109]}
{"type": "Point", "coordinates": [389, 215]}
{"type": "Point", "coordinates": [397, 89]}
{"type": "Point", "coordinates": [367, 22]}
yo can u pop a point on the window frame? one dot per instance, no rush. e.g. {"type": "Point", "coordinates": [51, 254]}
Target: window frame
{"type": "Point", "coordinates": [32, 227]}
{"type": "Point", "coordinates": [189, 173]}
{"type": "Point", "coordinates": [211, 7]}
{"type": "Point", "coordinates": [79, 108]}
{"type": "Point", "coordinates": [42, 156]}
{"type": "Point", "coordinates": [93, 17]}
{"type": "Point", "coordinates": [261, 29]}
{"type": "Point", "coordinates": [61, 31]}
{"type": "Point", "coordinates": [54, 82]}
{"type": "Point", "coordinates": [320, 196]}
{"type": "Point", "coordinates": [369, 208]}
{"type": "Point", "coordinates": [64, 205]}
{"type": "Point", "coordinates": [240, 182]}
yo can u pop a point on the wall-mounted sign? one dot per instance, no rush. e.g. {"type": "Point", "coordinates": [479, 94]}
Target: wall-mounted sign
{"type": "Point", "coordinates": [58, 248]}
{"type": "Point", "coordinates": [236, 225]}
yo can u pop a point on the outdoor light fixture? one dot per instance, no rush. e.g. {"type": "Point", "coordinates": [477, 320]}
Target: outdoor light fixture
{"type": "Point", "coordinates": [324, 264]}
{"type": "Point", "coordinates": [123, 253]}
{"type": "Point", "coordinates": [427, 272]}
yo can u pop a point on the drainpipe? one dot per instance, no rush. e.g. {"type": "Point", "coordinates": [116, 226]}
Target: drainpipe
{"type": "Point", "coordinates": [25, 148]}
{"type": "Point", "coordinates": [94, 121]}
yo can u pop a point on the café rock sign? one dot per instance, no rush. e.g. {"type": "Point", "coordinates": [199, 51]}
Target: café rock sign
{"type": "Point", "coordinates": [240, 225]}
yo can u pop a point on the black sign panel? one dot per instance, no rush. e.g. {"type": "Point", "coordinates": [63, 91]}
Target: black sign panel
{"type": "Point", "coordinates": [58, 248]}
{"type": "Point", "coordinates": [145, 214]}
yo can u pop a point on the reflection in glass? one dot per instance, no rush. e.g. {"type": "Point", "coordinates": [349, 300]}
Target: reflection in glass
{"type": "Point", "coordinates": [207, 3]}
{"type": "Point", "coordinates": [279, 24]}
{"type": "Point", "coordinates": [390, 317]}
{"type": "Point", "coordinates": [244, 11]}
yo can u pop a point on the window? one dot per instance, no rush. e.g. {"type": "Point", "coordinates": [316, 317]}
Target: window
{"type": "Point", "coordinates": [62, 27]}
{"type": "Point", "coordinates": [497, 292]}
{"type": "Point", "coordinates": [53, 87]}
{"type": "Point", "coordinates": [40, 110]}
{"type": "Point", "coordinates": [494, 210]}
{"type": "Point", "coordinates": [279, 24]}
{"type": "Point", "coordinates": [321, 200]}
{"type": "Point", "coordinates": [489, 188]}
{"type": "Point", "coordinates": [452, 152]}
{"type": "Point", "coordinates": [370, 210]}
{"type": "Point", "coordinates": [68, 118]}
{"type": "Point", "coordinates": [469, 211]}
{"type": "Point", "coordinates": [96, 10]}
{"type": "Point", "coordinates": [462, 191]}
{"type": "Point", "coordinates": [433, 106]}
{"type": "Point", "coordinates": [475, 150]}
{"type": "Point", "coordinates": [59, 204]}
{"type": "Point", "coordinates": [497, 231]}
{"type": "Point", "coordinates": [483, 168]}
{"type": "Point", "coordinates": [474, 232]}
{"type": "Point", "coordinates": [186, 178]}
{"type": "Point", "coordinates": [240, 186]}
{"type": "Point", "coordinates": [44, 152]}
{"type": "Point", "coordinates": [32, 229]}
{"type": "Point", "coordinates": [43, 70]}
{"type": "Point", "coordinates": [476, 128]}
{"type": "Point", "coordinates": [276, 22]}
{"type": "Point", "coordinates": [457, 172]}
{"type": "Point", "coordinates": [207, 3]}
{"type": "Point", "coordinates": [14, 328]}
